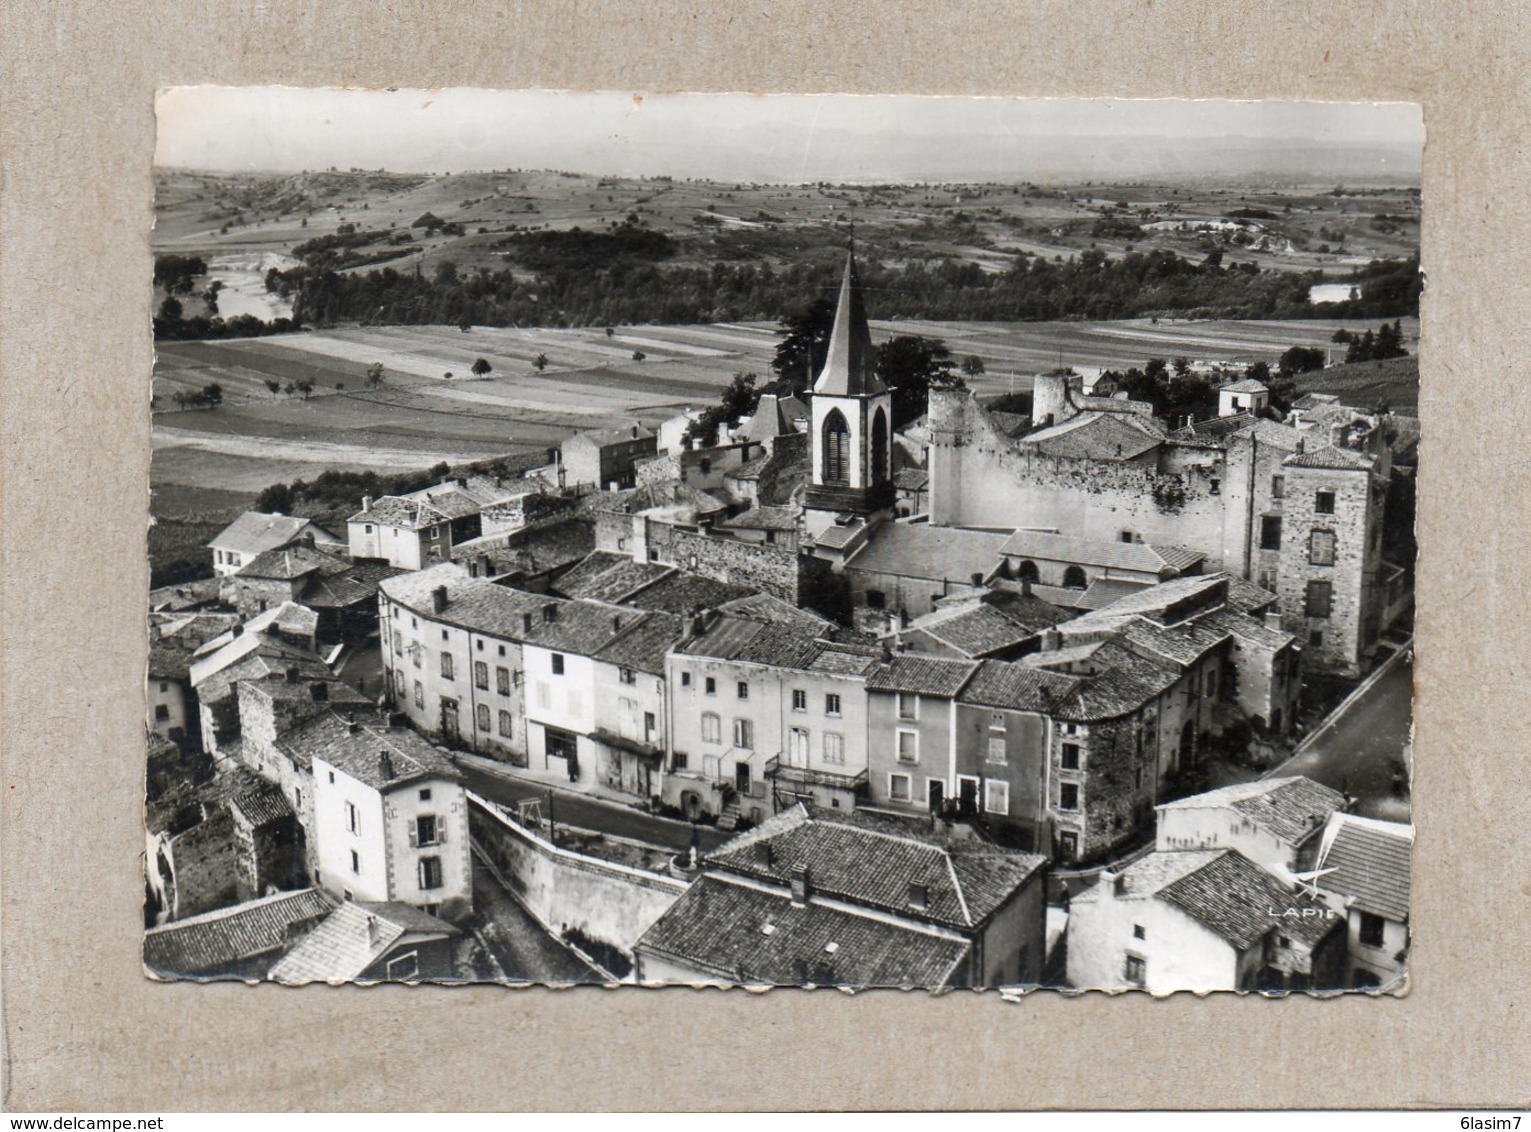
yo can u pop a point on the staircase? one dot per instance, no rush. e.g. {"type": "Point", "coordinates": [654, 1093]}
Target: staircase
{"type": "Point", "coordinates": [728, 820]}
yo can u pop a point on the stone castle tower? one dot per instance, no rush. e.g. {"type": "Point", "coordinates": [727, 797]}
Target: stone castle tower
{"type": "Point", "coordinates": [852, 421]}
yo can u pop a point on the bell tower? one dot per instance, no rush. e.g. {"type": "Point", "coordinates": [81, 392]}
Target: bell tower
{"type": "Point", "coordinates": [852, 421]}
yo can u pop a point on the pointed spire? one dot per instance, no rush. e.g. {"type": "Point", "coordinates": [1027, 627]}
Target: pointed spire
{"type": "Point", "coordinates": [850, 368]}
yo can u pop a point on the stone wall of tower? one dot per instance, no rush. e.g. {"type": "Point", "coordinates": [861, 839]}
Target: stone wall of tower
{"type": "Point", "coordinates": [1339, 641]}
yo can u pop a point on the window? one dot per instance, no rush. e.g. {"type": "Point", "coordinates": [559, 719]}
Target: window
{"type": "Point", "coordinates": [479, 645]}
{"type": "Point", "coordinates": [398, 645]}
{"type": "Point", "coordinates": [1270, 532]}
{"type": "Point", "coordinates": [996, 797]}
{"type": "Point", "coordinates": [799, 700]}
{"type": "Point", "coordinates": [502, 680]}
{"type": "Point", "coordinates": [678, 762]}
{"type": "Point", "coordinates": [1278, 487]}
{"type": "Point", "coordinates": [559, 744]}
{"type": "Point", "coordinates": [446, 666]}
{"type": "Point", "coordinates": [744, 734]}
{"type": "Point", "coordinates": [744, 690]}
{"type": "Point", "coordinates": [1316, 638]}
{"type": "Point", "coordinates": [996, 753]}
{"type": "Point", "coordinates": [1069, 757]}
{"type": "Point", "coordinates": [627, 676]}
{"type": "Point", "coordinates": [445, 636]}
{"type": "Point", "coordinates": [480, 674]}
{"type": "Point", "coordinates": [1320, 599]}
{"type": "Point", "coordinates": [837, 449]}
{"type": "Point", "coordinates": [425, 829]}
{"type": "Point", "coordinates": [832, 703]}
{"type": "Point", "coordinates": [712, 728]}
{"type": "Point", "coordinates": [797, 747]}
{"type": "Point", "coordinates": [1074, 578]}
{"type": "Point", "coordinates": [650, 722]}
{"type": "Point", "coordinates": [898, 787]}
{"type": "Point", "coordinates": [425, 794]}
{"type": "Point", "coordinates": [710, 686]}
{"type": "Point", "coordinates": [1126, 536]}
{"type": "Point", "coordinates": [1371, 930]}
{"type": "Point", "coordinates": [558, 664]}
{"type": "Point", "coordinates": [415, 654]}
{"type": "Point", "coordinates": [1211, 683]}
{"type": "Point", "coordinates": [505, 725]}
{"type": "Point", "coordinates": [430, 872]}
{"type": "Point", "coordinates": [876, 599]}
{"type": "Point", "coordinates": [908, 747]}
{"type": "Point", "coordinates": [419, 694]}
{"type": "Point", "coordinates": [1323, 502]}
{"type": "Point", "coordinates": [1321, 548]}
{"type": "Point", "coordinates": [996, 721]}
{"type": "Point", "coordinates": [353, 819]}
{"type": "Point", "coordinates": [406, 966]}
{"type": "Point", "coordinates": [161, 712]}
{"type": "Point", "coordinates": [879, 447]}
{"type": "Point", "coordinates": [1068, 796]}
{"type": "Point", "coordinates": [1139, 932]}
{"type": "Point", "coordinates": [908, 705]}
{"type": "Point", "coordinates": [501, 649]}
{"type": "Point", "coordinates": [685, 679]}
{"type": "Point", "coordinates": [544, 695]}
{"type": "Point", "coordinates": [1136, 970]}
{"type": "Point", "coordinates": [355, 862]}
{"type": "Point", "coordinates": [834, 748]}
{"type": "Point", "coordinates": [481, 717]}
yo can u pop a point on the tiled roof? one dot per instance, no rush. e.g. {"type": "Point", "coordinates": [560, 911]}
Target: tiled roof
{"type": "Point", "coordinates": [757, 642]}
{"type": "Point", "coordinates": [383, 757]}
{"type": "Point", "coordinates": [918, 550]}
{"type": "Point", "coordinates": [1152, 600]}
{"type": "Point", "coordinates": [765, 519]}
{"type": "Point", "coordinates": [911, 479]}
{"type": "Point", "coordinates": [472, 603]}
{"type": "Point", "coordinates": [611, 578]}
{"type": "Point", "coordinates": [684, 593]}
{"type": "Point", "coordinates": [872, 862]}
{"type": "Point", "coordinates": [185, 595]}
{"type": "Point", "coordinates": [1289, 808]}
{"type": "Point", "coordinates": [975, 630]}
{"type": "Point", "coordinates": [768, 607]}
{"type": "Point", "coordinates": [768, 421]}
{"type": "Point", "coordinates": [350, 939]}
{"type": "Point", "coordinates": [356, 585]}
{"type": "Point", "coordinates": [1103, 591]}
{"type": "Point", "coordinates": [1247, 628]}
{"type": "Point", "coordinates": [644, 647]}
{"type": "Point", "coordinates": [262, 807]}
{"type": "Point", "coordinates": [925, 675]}
{"type": "Point", "coordinates": [841, 535]}
{"type": "Point", "coordinates": [1183, 643]}
{"type": "Point", "coordinates": [1247, 596]}
{"type": "Point", "coordinates": [217, 942]}
{"type": "Point", "coordinates": [290, 618]}
{"type": "Point", "coordinates": [255, 532]}
{"type": "Point", "coordinates": [1118, 555]}
{"type": "Point", "coordinates": [1108, 436]}
{"type": "Point", "coordinates": [402, 512]}
{"type": "Point", "coordinates": [601, 437]}
{"type": "Point", "coordinates": [531, 550]}
{"type": "Point", "coordinates": [1371, 863]}
{"type": "Point", "coordinates": [289, 562]}
{"type": "Point", "coordinates": [1330, 456]}
{"type": "Point", "coordinates": [1233, 897]}
{"type": "Point", "coordinates": [1247, 385]}
{"type": "Point", "coordinates": [253, 656]}
{"type": "Point", "coordinates": [1017, 687]}
{"type": "Point", "coordinates": [720, 927]}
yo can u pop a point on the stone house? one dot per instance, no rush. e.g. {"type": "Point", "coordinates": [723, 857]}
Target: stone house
{"type": "Point", "coordinates": [835, 899]}
{"type": "Point", "coordinates": [241, 941]}
{"type": "Point", "coordinates": [605, 458]}
{"type": "Point", "coordinates": [1201, 920]}
{"type": "Point", "coordinates": [369, 942]}
{"type": "Point", "coordinates": [254, 533]}
{"type": "Point", "coordinates": [413, 531]}
{"type": "Point", "coordinates": [1363, 873]}
{"type": "Point", "coordinates": [1275, 822]}
{"type": "Point", "coordinates": [911, 709]}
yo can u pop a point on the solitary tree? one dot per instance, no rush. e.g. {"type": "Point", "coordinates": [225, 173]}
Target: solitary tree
{"type": "Point", "coordinates": [639, 355]}
{"type": "Point", "coordinates": [305, 387]}
{"type": "Point", "coordinates": [972, 365]}
{"type": "Point", "coordinates": [213, 394]}
{"type": "Point", "coordinates": [481, 367]}
{"type": "Point", "coordinates": [540, 362]}
{"type": "Point", "coordinates": [610, 330]}
{"type": "Point", "coordinates": [273, 385]}
{"type": "Point", "coordinates": [374, 375]}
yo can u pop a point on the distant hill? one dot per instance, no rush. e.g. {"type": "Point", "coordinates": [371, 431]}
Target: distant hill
{"type": "Point", "coordinates": [1368, 385]}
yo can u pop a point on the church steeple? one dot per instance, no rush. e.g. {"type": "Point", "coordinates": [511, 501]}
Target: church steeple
{"type": "Point", "coordinates": [852, 411]}
{"type": "Point", "coordinates": [850, 369]}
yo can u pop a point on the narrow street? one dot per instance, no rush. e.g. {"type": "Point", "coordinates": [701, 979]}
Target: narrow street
{"type": "Point", "coordinates": [1358, 751]}
{"type": "Point", "coordinates": [520, 944]}
{"type": "Point", "coordinates": [589, 813]}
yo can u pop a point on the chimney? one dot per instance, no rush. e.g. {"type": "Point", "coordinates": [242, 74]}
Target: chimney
{"type": "Point", "coordinates": [352, 727]}
{"type": "Point", "coordinates": [1273, 619]}
{"type": "Point", "coordinates": [1052, 640]}
{"type": "Point", "coordinates": [919, 895]}
{"type": "Point", "coordinates": [616, 622]}
{"type": "Point", "coordinates": [366, 503]}
{"type": "Point", "coordinates": [1025, 587]}
{"type": "Point", "coordinates": [238, 630]}
{"type": "Point", "coordinates": [439, 599]}
{"type": "Point", "coordinates": [635, 432]}
{"type": "Point", "coordinates": [462, 482]}
{"type": "Point", "coordinates": [374, 932]}
{"type": "Point", "coordinates": [385, 765]}
{"type": "Point", "coordinates": [802, 886]}
{"type": "Point", "coordinates": [1108, 885]}
{"type": "Point", "coordinates": [977, 577]}
{"type": "Point", "coordinates": [763, 853]}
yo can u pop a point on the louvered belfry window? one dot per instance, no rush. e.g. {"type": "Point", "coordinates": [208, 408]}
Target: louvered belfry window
{"type": "Point", "coordinates": [837, 449]}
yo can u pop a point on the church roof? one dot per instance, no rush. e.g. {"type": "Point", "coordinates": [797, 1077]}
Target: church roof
{"type": "Point", "coordinates": [850, 368]}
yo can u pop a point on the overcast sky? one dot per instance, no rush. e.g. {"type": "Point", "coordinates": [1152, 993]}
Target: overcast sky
{"type": "Point", "coordinates": [788, 138]}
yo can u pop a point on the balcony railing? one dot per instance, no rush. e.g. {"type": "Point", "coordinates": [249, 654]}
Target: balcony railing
{"type": "Point", "coordinates": [789, 775]}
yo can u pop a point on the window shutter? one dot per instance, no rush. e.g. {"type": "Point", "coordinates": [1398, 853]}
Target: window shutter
{"type": "Point", "coordinates": [414, 836]}
{"type": "Point", "coordinates": [441, 831]}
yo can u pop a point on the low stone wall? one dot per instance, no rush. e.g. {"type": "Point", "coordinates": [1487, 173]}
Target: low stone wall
{"type": "Point", "coordinates": [602, 900]}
